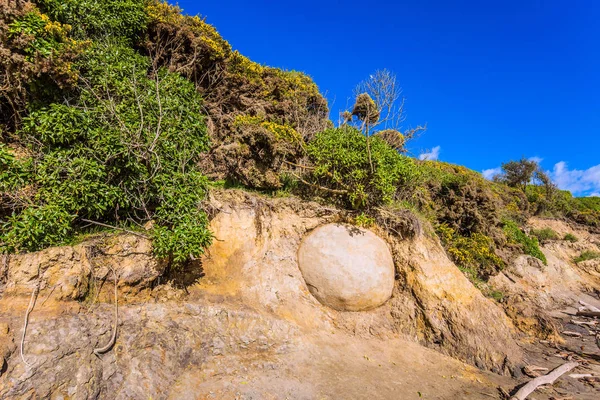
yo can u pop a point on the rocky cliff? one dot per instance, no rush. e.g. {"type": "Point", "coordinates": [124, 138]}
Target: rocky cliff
{"type": "Point", "coordinates": [242, 322]}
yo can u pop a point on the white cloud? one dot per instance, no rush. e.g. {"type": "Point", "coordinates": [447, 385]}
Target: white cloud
{"type": "Point", "coordinates": [536, 159]}
{"type": "Point", "coordinates": [596, 194]}
{"type": "Point", "coordinates": [434, 154]}
{"type": "Point", "coordinates": [577, 181]}
{"type": "Point", "coordinates": [490, 173]}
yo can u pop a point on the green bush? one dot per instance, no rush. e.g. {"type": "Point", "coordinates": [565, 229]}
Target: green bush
{"type": "Point", "coordinates": [37, 227]}
{"type": "Point", "coordinates": [530, 246]}
{"type": "Point", "coordinates": [341, 165]}
{"type": "Point", "coordinates": [473, 254]}
{"type": "Point", "coordinates": [36, 55]}
{"type": "Point", "coordinates": [94, 19]}
{"type": "Point", "coordinates": [570, 238]}
{"type": "Point", "coordinates": [587, 255]}
{"type": "Point", "coordinates": [460, 198]}
{"type": "Point", "coordinates": [124, 149]}
{"type": "Point", "coordinates": [544, 235]}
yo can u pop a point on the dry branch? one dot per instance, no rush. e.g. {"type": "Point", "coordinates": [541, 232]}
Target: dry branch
{"type": "Point", "coordinates": [334, 191]}
{"type": "Point", "coordinates": [548, 379]}
{"type": "Point", "coordinates": [114, 227]}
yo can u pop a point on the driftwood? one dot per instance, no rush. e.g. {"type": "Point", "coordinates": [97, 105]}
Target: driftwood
{"type": "Point", "coordinates": [592, 324]}
{"type": "Point", "coordinates": [580, 376]}
{"type": "Point", "coordinates": [588, 307]}
{"type": "Point", "coordinates": [590, 314]}
{"type": "Point", "coordinates": [548, 379]}
{"type": "Point", "coordinates": [572, 334]}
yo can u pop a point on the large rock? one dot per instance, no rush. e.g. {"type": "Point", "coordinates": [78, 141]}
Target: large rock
{"type": "Point", "coordinates": [347, 268]}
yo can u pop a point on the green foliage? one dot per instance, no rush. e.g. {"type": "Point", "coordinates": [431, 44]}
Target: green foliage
{"type": "Point", "coordinates": [280, 131]}
{"type": "Point", "coordinates": [47, 36]}
{"type": "Point", "coordinates": [587, 255]}
{"type": "Point", "coordinates": [562, 204]}
{"type": "Point", "coordinates": [94, 19]}
{"type": "Point", "coordinates": [36, 54]}
{"type": "Point", "coordinates": [530, 246]}
{"type": "Point", "coordinates": [518, 173]}
{"type": "Point", "coordinates": [167, 19]}
{"type": "Point", "coordinates": [125, 149]}
{"type": "Point", "coordinates": [545, 235]}
{"type": "Point", "coordinates": [474, 254]}
{"type": "Point", "coordinates": [36, 227]}
{"type": "Point", "coordinates": [569, 237]}
{"type": "Point", "coordinates": [460, 198]}
{"type": "Point", "coordinates": [496, 295]}
{"type": "Point", "coordinates": [342, 165]}
{"type": "Point", "coordinates": [585, 210]}
{"type": "Point", "coordinates": [275, 84]}
{"type": "Point", "coordinates": [364, 221]}
{"type": "Point", "coordinates": [182, 225]}
{"type": "Point", "coordinates": [7, 168]}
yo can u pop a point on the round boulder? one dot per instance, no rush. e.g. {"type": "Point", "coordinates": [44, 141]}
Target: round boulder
{"type": "Point", "coordinates": [347, 268]}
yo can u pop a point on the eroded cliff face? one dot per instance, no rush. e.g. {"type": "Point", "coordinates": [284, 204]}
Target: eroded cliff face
{"type": "Point", "coordinates": [536, 294]}
{"type": "Point", "coordinates": [241, 323]}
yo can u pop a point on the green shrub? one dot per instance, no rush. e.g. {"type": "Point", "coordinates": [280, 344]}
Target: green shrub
{"type": "Point", "coordinates": [125, 149]}
{"type": "Point", "coordinates": [587, 255]}
{"type": "Point", "coordinates": [545, 234]}
{"type": "Point", "coordinates": [341, 164]}
{"type": "Point", "coordinates": [37, 227]}
{"type": "Point", "coordinates": [530, 246]}
{"type": "Point", "coordinates": [93, 19]}
{"type": "Point", "coordinates": [364, 221]}
{"type": "Point", "coordinates": [496, 295]}
{"type": "Point", "coordinates": [459, 198]}
{"type": "Point", "coordinates": [473, 254]}
{"type": "Point", "coordinates": [570, 238]}
{"type": "Point", "coordinates": [37, 55]}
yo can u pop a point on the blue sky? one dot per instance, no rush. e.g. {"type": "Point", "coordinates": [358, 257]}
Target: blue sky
{"type": "Point", "coordinates": [494, 81]}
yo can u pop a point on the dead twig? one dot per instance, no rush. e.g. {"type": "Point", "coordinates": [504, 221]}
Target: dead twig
{"type": "Point", "coordinates": [334, 191]}
{"type": "Point", "coordinates": [115, 227]}
{"type": "Point", "coordinates": [548, 379]}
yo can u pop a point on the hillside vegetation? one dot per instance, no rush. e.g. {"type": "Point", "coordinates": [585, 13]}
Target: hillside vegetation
{"type": "Point", "coordinates": [126, 113]}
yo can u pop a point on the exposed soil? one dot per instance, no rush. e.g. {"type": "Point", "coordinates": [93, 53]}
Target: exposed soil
{"type": "Point", "coordinates": [242, 324]}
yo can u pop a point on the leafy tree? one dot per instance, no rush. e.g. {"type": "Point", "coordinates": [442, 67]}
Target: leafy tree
{"type": "Point", "coordinates": [518, 173]}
